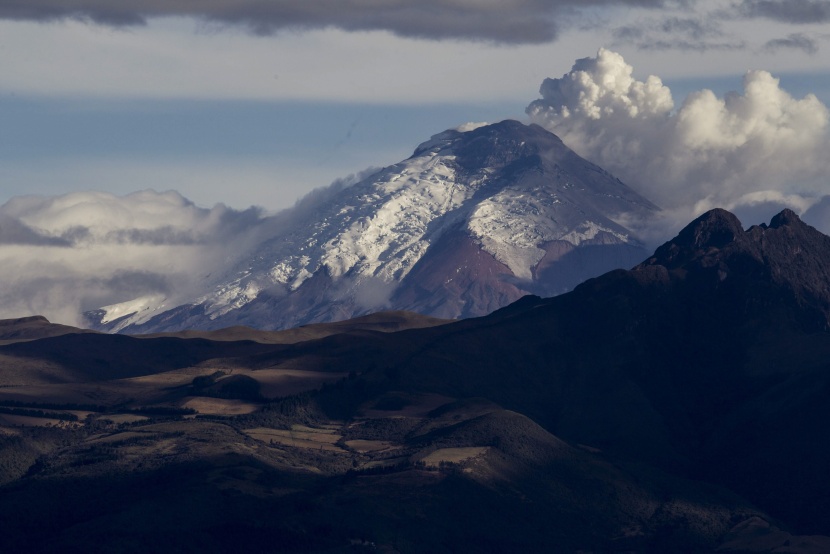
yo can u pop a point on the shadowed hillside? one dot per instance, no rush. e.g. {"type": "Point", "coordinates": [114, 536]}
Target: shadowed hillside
{"type": "Point", "coordinates": [675, 407]}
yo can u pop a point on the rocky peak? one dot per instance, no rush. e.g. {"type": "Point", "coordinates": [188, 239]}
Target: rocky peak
{"type": "Point", "coordinates": [786, 218]}
{"type": "Point", "coordinates": [712, 230]}
{"type": "Point", "coordinates": [786, 258]}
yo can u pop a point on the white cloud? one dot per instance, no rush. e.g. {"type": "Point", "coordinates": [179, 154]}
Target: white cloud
{"type": "Point", "coordinates": [711, 151]}
{"type": "Point", "coordinates": [80, 251]}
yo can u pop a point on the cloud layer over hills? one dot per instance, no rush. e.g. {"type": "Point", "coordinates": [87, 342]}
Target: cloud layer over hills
{"type": "Point", "coordinates": [61, 255]}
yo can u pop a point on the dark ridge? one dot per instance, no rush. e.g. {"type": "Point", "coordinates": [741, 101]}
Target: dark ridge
{"type": "Point", "coordinates": [714, 229]}
{"type": "Point", "coordinates": [787, 255]}
{"type": "Point", "coordinates": [33, 327]}
{"type": "Point", "coordinates": [22, 320]}
{"type": "Point", "coordinates": [786, 218]}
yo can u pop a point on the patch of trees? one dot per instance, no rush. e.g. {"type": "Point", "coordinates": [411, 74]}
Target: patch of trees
{"type": "Point", "coordinates": [171, 411]}
{"type": "Point", "coordinates": [385, 469]}
{"type": "Point", "coordinates": [61, 406]}
{"type": "Point", "coordinates": [205, 381]}
{"type": "Point", "coordinates": [343, 398]}
{"type": "Point", "coordinates": [235, 387]}
{"type": "Point", "coordinates": [16, 456]}
{"type": "Point", "coordinates": [392, 402]}
{"type": "Point", "coordinates": [30, 412]}
{"type": "Point", "coordinates": [282, 412]}
{"type": "Point", "coordinates": [395, 429]}
{"type": "Point", "coordinates": [447, 468]}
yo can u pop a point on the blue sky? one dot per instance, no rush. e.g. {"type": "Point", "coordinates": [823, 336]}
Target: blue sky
{"type": "Point", "coordinates": [249, 151]}
{"type": "Point", "coordinates": [225, 111]}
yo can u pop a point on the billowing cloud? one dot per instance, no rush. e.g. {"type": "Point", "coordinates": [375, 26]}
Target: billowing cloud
{"type": "Point", "coordinates": [513, 21]}
{"type": "Point", "coordinates": [788, 11]}
{"type": "Point", "coordinates": [711, 151]}
{"type": "Point", "coordinates": [64, 254]}
{"type": "Point", "coordinates": [794, 41]}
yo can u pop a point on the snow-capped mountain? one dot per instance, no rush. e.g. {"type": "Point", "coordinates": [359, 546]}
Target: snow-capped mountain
{"type": "Point", "coordinates": [470, 222]}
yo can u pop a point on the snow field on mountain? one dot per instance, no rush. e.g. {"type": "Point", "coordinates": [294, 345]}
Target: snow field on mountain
{"type": "Point", "coordinates": [380, 230]}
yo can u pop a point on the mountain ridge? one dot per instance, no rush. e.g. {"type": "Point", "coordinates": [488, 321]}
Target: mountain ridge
{"type": "Point", "coordinates": [512, 199]}
{"type": "Point", "coordinates": [692, 366]}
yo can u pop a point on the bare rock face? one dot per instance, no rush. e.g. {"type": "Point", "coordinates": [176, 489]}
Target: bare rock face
{"type": "Point", "coordinates": [470, 223]}
{"type": "Point", "coordinates": [714, 229]}
{"type": "Point", "coordinates": [457, 278]}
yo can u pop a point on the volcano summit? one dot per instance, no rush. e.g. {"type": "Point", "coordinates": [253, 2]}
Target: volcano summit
{"type": "Point", "coordinates": [471, 222]}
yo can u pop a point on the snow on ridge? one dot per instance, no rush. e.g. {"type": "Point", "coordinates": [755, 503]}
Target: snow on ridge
{"type": "Point", "coordinates": [139, 310]}
{"type": "Point", "coordinates": [115, 311]}
{"type": "Point", "coordinates": [589, 230]}
{"type": "Point", "coordinates": [515, 223]}
{"type": "Point", "coordinates": [379, 230]}
{"type": "Point", "coordinates": [471, 126]}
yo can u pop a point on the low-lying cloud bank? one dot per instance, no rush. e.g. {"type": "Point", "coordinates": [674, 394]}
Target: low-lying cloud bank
{"type": "Point", "coordinates": [65, 254]}
{"type": "Point", "coordinates": [752, 152]}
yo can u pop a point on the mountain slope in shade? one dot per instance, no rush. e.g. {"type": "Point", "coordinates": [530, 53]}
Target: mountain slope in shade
{"type": "Point", "coordinates": [471, 222]}
{"type": "Point", "coordinates": [383, 322]}
{"type": "Point", "coordinates": [710, 359]}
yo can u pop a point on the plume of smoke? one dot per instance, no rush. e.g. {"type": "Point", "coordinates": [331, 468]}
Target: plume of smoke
{"type": "Point", "coordinates": [730, 152]}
